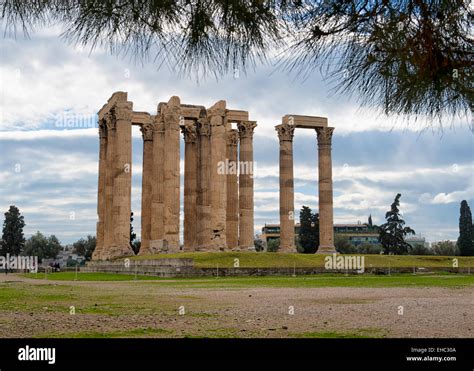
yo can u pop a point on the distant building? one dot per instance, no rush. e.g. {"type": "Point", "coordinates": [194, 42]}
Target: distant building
{"type": "Point", "coordinates": [357, 234]}
{"type": "Point", "coordinates": [66, 255]}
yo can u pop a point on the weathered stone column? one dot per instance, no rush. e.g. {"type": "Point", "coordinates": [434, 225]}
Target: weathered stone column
{"type": "Point", "coordinates": [203, 234]}
{"type": "Point", "coordinates": [122, 186]}
{"type": "Point", "coordinates": [171, 117]}
{"type": "Point", "coordinates": [218, 176]}
{"type": "Point", "coordinates": [232, 224]}
{"type": "Point", "coordinates": [326, 228]}
{"type": "Point", "coordinates": [287, 220]}
{"type": "Point", "coordinates": [157, 203]}
{"type": "Point", "coordinates": [246, 165]}
{"type": "Point", "coordinates": [190, 185]}
{"type": "Point", "coordinates": [109, 225]}
{"type": "Point", "coordinates": [101, 193]}
{"type": "Point", "coordinates": [147, 185]}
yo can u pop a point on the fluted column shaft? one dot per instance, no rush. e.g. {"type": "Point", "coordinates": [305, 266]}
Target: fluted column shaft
{"type": "Point", "coordinates": [157, 203]}
{"type": "Point", "coordinates": [326, 228]}
{"type": "Point", "coordinates": [109, 186]}
{"type": "Point", "coordinates": [203, 234]}
{"type": "Point", "coordinates": [218, 176]}
{"type": "Point", "coordinates": [287, 222]}
{"type": "Point", "coordinates": [190, 185]}
{"type": "Point", "coordinates": [101, 193]}
{"type": "Point", "coordinates": [147, 186]}
{"type": "Point", "coordinates": [232, 218]}
{"type": "Point", "coordinates": [246, 165]}
{"type": "Point", "coordinates": [171, 175]}
{"type": "Point", "coordinates": [122, 184]}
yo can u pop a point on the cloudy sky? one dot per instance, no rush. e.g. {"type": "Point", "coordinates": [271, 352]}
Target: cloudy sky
{"type": "Point", "coordinates": [51, 92]}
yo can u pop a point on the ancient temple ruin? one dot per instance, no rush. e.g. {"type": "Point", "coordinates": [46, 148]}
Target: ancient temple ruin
{"type": "Point", "coordinates": [218, 202]}
{"type": "Point", "coordinates": [218, 205]}
{"type": "Point", "coordinates": [287, 223]}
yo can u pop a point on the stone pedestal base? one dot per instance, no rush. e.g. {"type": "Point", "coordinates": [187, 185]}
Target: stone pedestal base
{"type": "Point", "coordinates": [326, 249]}
{"type": "Point", "coordinates": [158, 246]}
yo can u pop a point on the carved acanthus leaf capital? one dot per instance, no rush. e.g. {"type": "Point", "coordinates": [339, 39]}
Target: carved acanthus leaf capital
{"type": "Point", "coordinates": [324, 135]}
{"type": "Point", "coordinates": [147, 131]}
{"type": "Point", "coordinates": [232, 137]}
{"type": "Point", "coordinates": [246, 128]}
{"type": "Point", "coordinates": [102, 128]}
{"type": "Point", "coordinates": [189, 130]}
{"type": "Point", "coordinates": [285, 132]}
{"type": "Point", "coordinates": [109, 120]}
{"type": "Point", "coordinates": [204, 126]}
{"type": "Point", "coordinates": [159, 124]}
{"type": "Point", "coordinates": [123, 111]}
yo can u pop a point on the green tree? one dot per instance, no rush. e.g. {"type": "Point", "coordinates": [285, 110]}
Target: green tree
{"type": "Point", "coordinates": [465, 243]}
{"type": "Point", "coordinates": [308, 234]}
{"type": "Point", "coordinates": [133, 236]}
{"type": "Point", "coordinates": [43, 247]}
{"type": "Point", "coordinates": [419, 249]}
{"type": "Point", "coordinates": [13, 240]}
{"type": "Point", "coordinates": [369, 221]}
{"type": "Point", "coordinates": [342, 245]}
{"type": "Point", "coordinates": [445, 248]}
{"type": "Point", "coordinates": [258, 243]}
{"type": "Point", "coordinates": [85, 246]}
{"type": "Point", "coordinates": [273, 245]}
{"type": "Point", "coordinates": [408, 57]}
{"type": "Point", "coordinates": [136, 246]}
{"type": "Point", "coordinates": [392, 233]}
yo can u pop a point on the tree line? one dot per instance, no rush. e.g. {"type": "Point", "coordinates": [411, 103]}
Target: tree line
{"type": "Point", "coordinates": [392, 236]}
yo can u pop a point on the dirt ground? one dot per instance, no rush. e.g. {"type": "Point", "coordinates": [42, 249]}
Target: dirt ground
{"type": "Point", "coordinates": [151, 309]}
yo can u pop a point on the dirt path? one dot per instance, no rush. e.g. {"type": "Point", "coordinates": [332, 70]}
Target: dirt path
{"type": "Point", "coordinates": [138, 308]}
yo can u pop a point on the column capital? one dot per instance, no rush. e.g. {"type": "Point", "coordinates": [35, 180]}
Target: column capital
{"type": "Point", "coordinates": [246, 128]}
{"type": "Point", "coordinates": [217, 109]}
{"type": "Point", "coordinates": [158, 124]}
{"type": "Point", "coordinates": [102, 128]}
{"type": "Point", "coordinates": [171, 114]}
{"type": "Point", "coordinates": [147, 131]}
{"type": "Point", "coordinates": [324, 135]}
{"type": "Point", "coordinates": [232, 137]}
{"type": "Point", "coordinates": [285, 132]}
{"type": "Point", "coordinates": [123, 111]}
{"type": "Point", "coordinates": [189, 130]}
{"type": "Point", "coordinates": [204, 126]}
{"type": "Point", "coordinates": [110, 120]}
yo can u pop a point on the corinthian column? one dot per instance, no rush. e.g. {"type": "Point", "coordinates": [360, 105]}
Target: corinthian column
{"type": "Point", "coordinates": [287, 220]}
{"type": "Point", "coordinates": [157, 203]}
{"type": "Point", "coordinates": [101, 189]}
{"type": "Point", "coordinates": [190, 185]}
{"type": "Point", "coordinates": [171, 117]}
{"type": "Point", "coordinates": [326, 228]}
{"type": "Point", "coordinates": [246, 165]}
{"type": "Point", "coordinates": [218, 176]}
{"type": "Point", "coordinates": [109, 119]}
{"type": "Point", "coordinates": [122, 185]}
{"type": "Point", "coordinates": [203, 234]}
{"type": "Point", "coordinates": [232, 220]}
{"type": "Point", "coordinates": [147, 184]}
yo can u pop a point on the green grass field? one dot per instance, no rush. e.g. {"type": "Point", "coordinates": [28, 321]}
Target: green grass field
{"type": "Point", "coordinates": [322, 280]}
{"type": "Point", "coordinates": [261, 260]}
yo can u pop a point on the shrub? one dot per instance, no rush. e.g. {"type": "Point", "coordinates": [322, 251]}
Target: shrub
{"type": "Point", "coordinates": [445, 248]}
{"type": "Point", "coordinates": [343, 246]}
{"type": "Point", "coordinates": [368, 248]}
{"type": "Point", "coordinates": [273, 245]}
